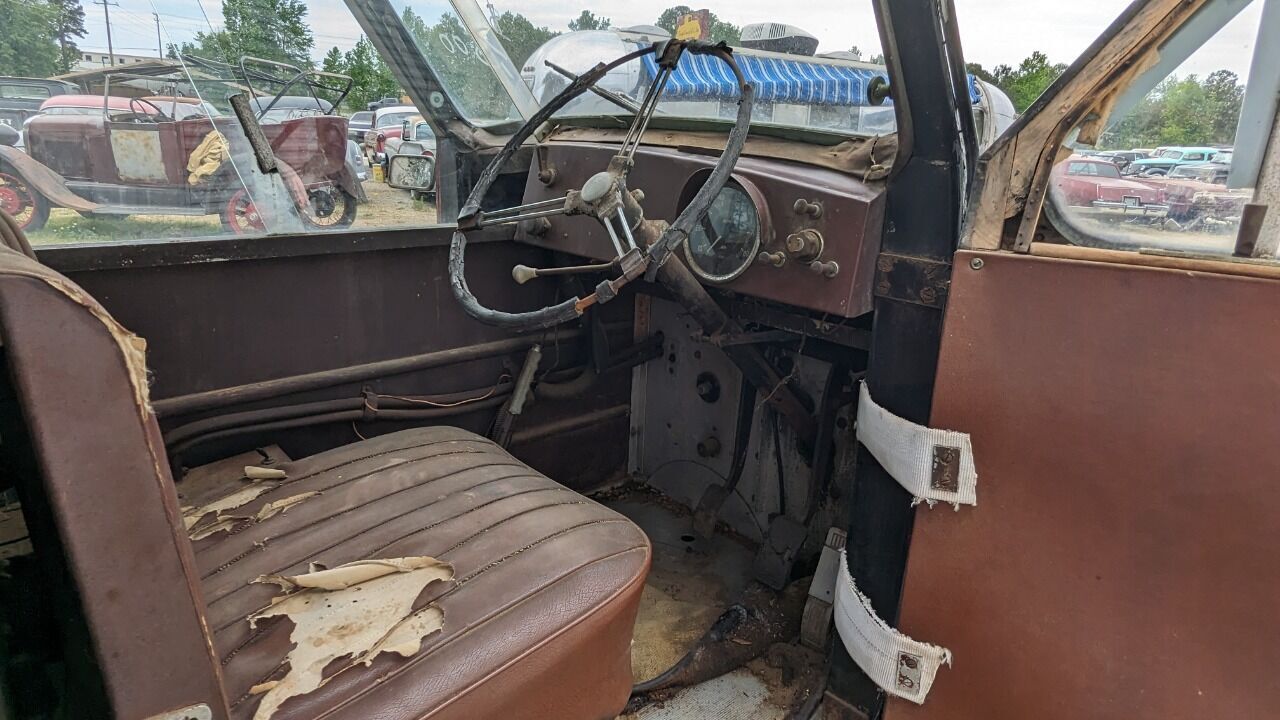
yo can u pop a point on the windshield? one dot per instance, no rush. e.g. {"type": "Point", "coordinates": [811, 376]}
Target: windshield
{"type": "Point", "coordinates": [392, 119]}
{"type": "Point", "coordinates": [1171, 154]}
{"type": "Point", "coordinates": [362, 118]}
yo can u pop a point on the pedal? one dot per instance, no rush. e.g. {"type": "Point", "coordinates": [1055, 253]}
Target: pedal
{"type": "Point", "coordinates": [815, 623]}
{"type": "Point", "coordinates": [708, 511]}
{"type": "Point", "coordinates": [777, 554]}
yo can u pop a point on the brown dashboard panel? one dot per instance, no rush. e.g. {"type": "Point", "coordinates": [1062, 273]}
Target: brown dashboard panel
{"type": "Point", "coordinates": [842, 211]}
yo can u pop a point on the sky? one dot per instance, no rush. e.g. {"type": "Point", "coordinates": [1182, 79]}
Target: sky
{"type": "Point", "coordinates": [993, 32]}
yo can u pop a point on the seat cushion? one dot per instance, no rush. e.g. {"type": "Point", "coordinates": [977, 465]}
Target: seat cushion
{"type": "Point", "coordinates": [537, 623]}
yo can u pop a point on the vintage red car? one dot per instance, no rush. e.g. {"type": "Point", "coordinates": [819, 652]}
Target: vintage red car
{"type": "Point", "coordinates": [163, 155]}
{"type": "Point", "coordinates": [1096, 184]}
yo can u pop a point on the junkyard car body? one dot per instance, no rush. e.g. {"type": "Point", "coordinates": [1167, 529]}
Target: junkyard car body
{"type": "Point", "coordinates": [20, 97]}
{"type": "Point", "coordinates": [126, 156]}
{"type": "Point", "coordinates": [1169, 158]}
{"type": "Point", "coordinates": [1096, 184]}
{"type": "Point", "coordinates": [388, 122]}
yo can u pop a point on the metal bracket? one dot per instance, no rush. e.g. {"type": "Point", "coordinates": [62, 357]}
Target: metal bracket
{"type": "Point", "coordinates": [913, 279]}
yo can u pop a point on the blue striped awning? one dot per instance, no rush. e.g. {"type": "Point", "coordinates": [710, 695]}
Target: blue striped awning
{"type": "Point", "coordinates": [702, 77]}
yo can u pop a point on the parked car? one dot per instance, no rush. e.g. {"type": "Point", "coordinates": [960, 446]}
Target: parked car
{"type": "Point", "coordinates": [20, 98]}
{"type": "Point", "coordinates": [1167, 159]}
{"type": "Point", "coordinates": [387, 123]}
{"type": "Point", "coordinates": [1198, 194]}
{"type": "Point", "coordinates": [1122, 158]}
{"type": "Point", "coordinates": [109, 155]}
{"type": "Point", "coordinates": [1097, 185]}
{"type": "Point", "coordinates": [358, 124]}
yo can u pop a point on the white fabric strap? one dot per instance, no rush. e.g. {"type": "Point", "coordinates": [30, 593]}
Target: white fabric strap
{"type": "Point", "coordinates": [933, 465]}
{"type": "Point", "coordinates": [899, 665]}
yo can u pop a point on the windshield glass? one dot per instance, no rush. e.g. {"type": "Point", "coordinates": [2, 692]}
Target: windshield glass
{"type": "Point", "coordinates": [361, 118]}
{"type": "Point", "coordinates": [393, 119]}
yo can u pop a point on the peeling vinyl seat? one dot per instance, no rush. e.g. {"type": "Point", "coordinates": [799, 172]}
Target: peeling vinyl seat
{"type": "Point", "coordinates": [537, 621]}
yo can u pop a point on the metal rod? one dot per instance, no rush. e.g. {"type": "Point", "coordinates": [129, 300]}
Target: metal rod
{"type": "Point", "coordinates": [621, 101]}
{"type": "Point", "coordinates": [249, 392]}
{"type": "Point", "coordinates": [626, 229]}
{"type": "Point", "coordinates": [528, 206]}
{"type": "Point", "coordinates": [617, 244]}
{"type": "Point", "coordinates": [632, 141]}
{"type": "Point", "coordinates": [489, 222]}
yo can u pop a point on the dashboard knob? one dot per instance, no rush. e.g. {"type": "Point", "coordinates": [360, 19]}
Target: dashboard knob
{"type": "Point", "coordinates": [775, 259]}
{"type": "Point", "coordinates": [523, 274]}
{"type": "Point", "coordinates": [827, 269]}
{"type": "Point", "coordinates": [804, 207]}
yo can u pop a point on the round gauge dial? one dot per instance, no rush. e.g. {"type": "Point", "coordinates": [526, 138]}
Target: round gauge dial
{"type": "Point", "coordinates": [725, 243]}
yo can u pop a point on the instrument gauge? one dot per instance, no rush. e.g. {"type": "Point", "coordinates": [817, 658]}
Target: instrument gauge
{"type": "Point", "coordinates": [727, 239]}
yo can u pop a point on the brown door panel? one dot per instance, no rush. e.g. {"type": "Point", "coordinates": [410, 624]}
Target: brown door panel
{"type": "Point", "coordinates": [1121, 560]}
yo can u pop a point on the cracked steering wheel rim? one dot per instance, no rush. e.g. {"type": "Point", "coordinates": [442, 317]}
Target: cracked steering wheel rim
{"type": "Point", "coordinates": [675, 234]}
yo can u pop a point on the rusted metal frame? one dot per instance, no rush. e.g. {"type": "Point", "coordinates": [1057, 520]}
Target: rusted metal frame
{"type": "Point", "coordinates": [921, 225]}
{"type": "Point", "coordinates": [913, 279]}
{"type": "Point", "coordinates": [87, 257]}
{"type": "Point", "coordinates": [250, 392]}
{"type": "Point", "coordinates": [837, 331]}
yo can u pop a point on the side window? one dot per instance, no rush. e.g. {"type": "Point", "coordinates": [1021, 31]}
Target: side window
{"type": "Point", "coordinates": [1176, 127]}
{"type": "Point", "coordinates": [145, 145]}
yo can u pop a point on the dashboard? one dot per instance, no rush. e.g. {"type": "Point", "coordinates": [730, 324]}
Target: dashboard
{"type": "Point", "coordinates": [780, 231]}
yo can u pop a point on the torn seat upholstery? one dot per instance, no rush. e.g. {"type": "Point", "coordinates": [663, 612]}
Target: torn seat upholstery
{"type": "Point", "coordinates": [537, 621]}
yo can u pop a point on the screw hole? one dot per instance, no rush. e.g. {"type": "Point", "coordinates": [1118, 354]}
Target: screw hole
{"type": "Point", "coordinates": [687, 538]}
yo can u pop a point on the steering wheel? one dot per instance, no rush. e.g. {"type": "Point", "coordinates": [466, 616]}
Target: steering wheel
{"type": "Point", "coordinates": [141, 112]}
{"type": "Point", "coordinates": [604, 196]}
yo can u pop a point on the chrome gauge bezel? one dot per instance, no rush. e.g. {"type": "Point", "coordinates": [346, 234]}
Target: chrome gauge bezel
{"type": "Point", "coordinates": [757, 205]}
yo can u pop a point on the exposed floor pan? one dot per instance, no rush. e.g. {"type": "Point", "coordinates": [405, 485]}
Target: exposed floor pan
{"type": "Point", "coordinates": [690, 584]}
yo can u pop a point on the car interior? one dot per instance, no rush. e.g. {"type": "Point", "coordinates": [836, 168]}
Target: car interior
{"type": "Point", "coordinates": [602, 432]}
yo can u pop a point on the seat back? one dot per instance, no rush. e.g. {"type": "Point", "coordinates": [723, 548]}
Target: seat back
{"type": "Point", "coordinates": [80, 379]}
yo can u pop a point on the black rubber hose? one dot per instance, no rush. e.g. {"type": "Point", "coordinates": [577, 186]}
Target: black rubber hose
{"type": "Point", "coordinates": [720, 629]}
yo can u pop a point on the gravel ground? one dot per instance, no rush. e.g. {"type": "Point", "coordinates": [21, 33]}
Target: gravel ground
{"type": "Point", "coordinates": [387, 207]}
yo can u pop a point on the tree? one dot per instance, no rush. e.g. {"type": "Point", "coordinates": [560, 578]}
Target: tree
{"type": "Point", "coordinates": [371, 79]}
{"type": "Point", "coordinates": [28, 38]}
{"type": "Point", "coordinates": [1026, 82]}
{"type": "Point", "coordinates": [520, 37]}
{"type": "Point", "coordinates": [270, 29]}
{"type": "Point", "coordinates": [1226, 96]}
{"type": "Point", "coordinates": [589, 21]}
{"type": "Point", "coordinates": [1181, 111]}
{"type": "Point", "coordinates": [720, 31]}
{"type": "Point", "coordinates": [68, 25]}
{"type": "Point", "coordinates": [461, 66]}
{"type": "Point", "coordinates": [976, 70]}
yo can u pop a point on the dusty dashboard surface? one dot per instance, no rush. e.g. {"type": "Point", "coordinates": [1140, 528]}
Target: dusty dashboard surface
{"type": "Point", "coordinates": [779, 231]}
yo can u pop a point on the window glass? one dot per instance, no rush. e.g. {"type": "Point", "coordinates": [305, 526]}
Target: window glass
{"type": "Point", "coordinates": [1172, 139]}
{"type": "Point", "coordinates": [146, 142]}
{"type": "Point", "coordinates": [23, 92]}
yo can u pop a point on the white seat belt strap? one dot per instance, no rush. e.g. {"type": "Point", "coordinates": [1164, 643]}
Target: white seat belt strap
{"type": "Point", "coordinates": [933, 465]}
{"type": "Point", "coordinates": [899, 665]}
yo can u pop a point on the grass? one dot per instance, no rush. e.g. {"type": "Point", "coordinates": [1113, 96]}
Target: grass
{"type": "Point", "coordinates": [68, 226]}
